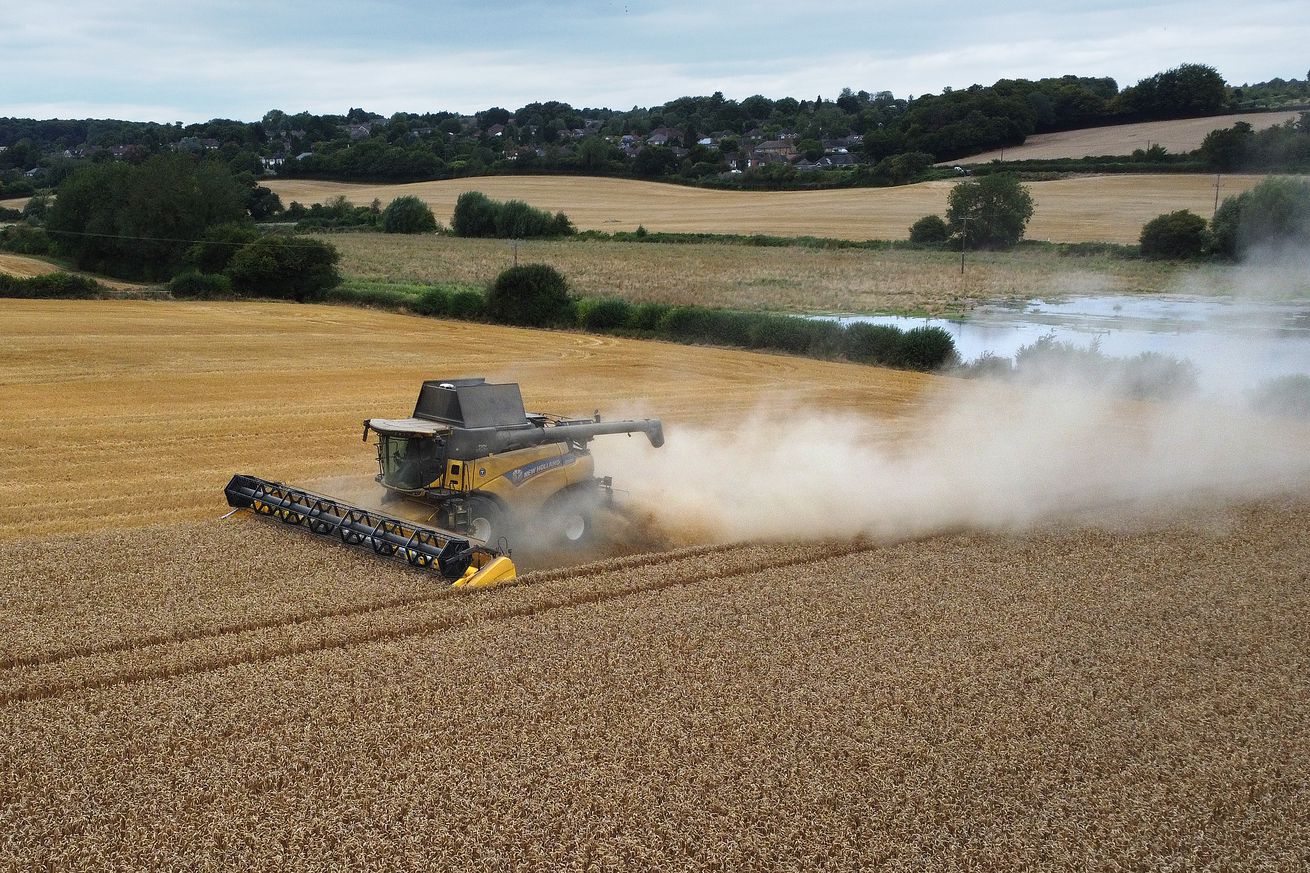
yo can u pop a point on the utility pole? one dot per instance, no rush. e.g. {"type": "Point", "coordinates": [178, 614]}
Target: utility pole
{"type": "Point", "coordinates": [1216, 197]}
{"type": "Point", "coordinates": [964, 233]}
{"type": "Point", "coordinates": [514, 246]}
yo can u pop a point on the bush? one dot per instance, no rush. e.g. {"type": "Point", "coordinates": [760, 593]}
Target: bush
{"type": "Point", "coordinates": [477, 215]}
{"type": "Point", "coordinates": [532, 295]}
{"type": "Point", "coordinates": [467, 306]}
{"type": "Point", "coordinates": [688, 323]}
{"type": "Point", "coordinates": [1284, 395]}
{"type": "Point", "coordinates": [1175, 235]}
{"type": "Point", "coordinates": [603, 313]}
{"type": "Point", "coordinates": [784, 333]}
{"type": "Point", "coordinates": [474, 216]}
{"type": "Point", "coordinates": [434, 302]}
{"type": "Point", "coordinates": [36, 209]}
{"type": "Point", "coordinates": [50, 285]}
{"type": "Point", "coordinates": [408, 214]}
{"type": "Point", "coordinates": [647, 316]}
{"type": "Point", "coordinates": [377, 295]}
{"type": "Point", "coordinates": [194, 284]}
{"type": "Point", "coordinates": [929, 229]}
{"type": "Point", "coordinates": [1151, 375]}
{"type": "Point", "coordinates": [1274, 213]}
{"type": "Point", "coordinates": [517, 220]}
{"type": "Point", "coordinates": [218, 245]}
{"type": "Point", "coordinates": [926, 348]}
{"type": "Point", "coordinates": [297, 268]}
{"type": "Point", "coordinates": [25, 240]}
{"type": "Point", "coordinates": [988, 365]}
{"type": "Point", "coordinates": [873, 343]}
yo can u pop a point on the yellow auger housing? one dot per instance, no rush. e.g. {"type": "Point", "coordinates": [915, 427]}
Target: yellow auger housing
{"type": "Point", "coordinates": [462, 563]}
{"type": "Point", "coordinates": [492, 470]}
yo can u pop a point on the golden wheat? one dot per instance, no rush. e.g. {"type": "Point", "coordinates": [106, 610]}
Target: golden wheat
{"type": "Point", "coordinates": [238, 694]}
{"type": "Point", "coordinates": [789, 279]}
{"type": "Point", "coordinates": [124, 413]}
{"type": "Point", "coordinates": [1089, 208]}
{"type": "Point", "coordinates": [1126, 700]}
{"type": "Point", "coordinates": [1178, 136]}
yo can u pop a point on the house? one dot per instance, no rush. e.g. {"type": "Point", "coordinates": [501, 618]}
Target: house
{"type": "Point", "coordinates": [780, 147]}
{"type": "Point", "coordinates": [663, 136]}
{"type": "Point", "coordinates": [760, 159]}
{"type": "Point", "coordinates": [359, 131]}
{"type": "Point", "coordinates": [496, 130]}
{"type": "Point", "coordinates": [839, 160]}
{"type": "Point", "coordinates": [272, 163]}
{"type": "Point", "coordinates": [124, 151]}
{"type": "Point", "coordinates": [210, 143]}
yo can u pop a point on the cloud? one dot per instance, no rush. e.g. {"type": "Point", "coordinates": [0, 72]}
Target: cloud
{"type": "Point", "coordinates": [237, 59]}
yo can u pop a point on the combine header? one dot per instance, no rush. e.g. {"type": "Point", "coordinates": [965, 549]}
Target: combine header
{"type": "Point", "coordinates": [489, 473]}
{"type": "Point", "coordinates": [463, 563]}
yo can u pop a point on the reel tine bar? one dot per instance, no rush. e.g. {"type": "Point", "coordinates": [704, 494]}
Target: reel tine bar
{"type": "Point", "coordinates": [426, 547]}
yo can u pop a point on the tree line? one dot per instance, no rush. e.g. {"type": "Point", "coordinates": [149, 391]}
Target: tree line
{"type": "Point", "coordinates": [896, 135]}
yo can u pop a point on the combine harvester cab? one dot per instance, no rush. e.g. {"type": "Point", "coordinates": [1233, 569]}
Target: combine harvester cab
{"type": "Point", "coordinates": [489, 470]}
{"type": "Point", "coordinates": [493, 470]}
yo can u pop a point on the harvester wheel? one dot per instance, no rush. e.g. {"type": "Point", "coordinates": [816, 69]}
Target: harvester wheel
{"type": "Point", "coordinates": [569, 515]}
{"type": "Point", "coordinates": [486, 522]}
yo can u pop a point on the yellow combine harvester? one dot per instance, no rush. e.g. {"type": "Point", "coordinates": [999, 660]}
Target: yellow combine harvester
{"type": "Point", "coordinates": [492, 473]}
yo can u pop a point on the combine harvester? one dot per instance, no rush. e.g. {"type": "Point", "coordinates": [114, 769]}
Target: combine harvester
{"type": "Point", "coordinates": [489, 470]}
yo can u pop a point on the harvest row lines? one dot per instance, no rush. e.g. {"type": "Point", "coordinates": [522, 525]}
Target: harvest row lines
{"type": "Point", "coordinates": [266, 641]}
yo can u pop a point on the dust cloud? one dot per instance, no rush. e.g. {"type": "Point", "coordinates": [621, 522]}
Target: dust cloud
{"type": "Point", "coordinates": [983, 456]}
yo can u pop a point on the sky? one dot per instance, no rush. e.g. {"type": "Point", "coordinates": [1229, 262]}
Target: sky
{"type": "Point", "coordinates": [188, 61]}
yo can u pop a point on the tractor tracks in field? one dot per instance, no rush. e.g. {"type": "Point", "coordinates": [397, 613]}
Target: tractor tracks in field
{"type": "Point", "coordinates": [440, 592]}
{"type": "Point", "coordinates": [164, 656]}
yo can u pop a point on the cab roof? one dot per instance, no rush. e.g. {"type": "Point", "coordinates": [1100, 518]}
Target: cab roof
{"type": "Point", "coordinates": [471, 403]}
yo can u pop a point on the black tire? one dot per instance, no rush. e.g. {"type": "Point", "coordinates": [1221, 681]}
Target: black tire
{"type": "Point", "coordinates": [569, 517]}
{"type": "Point", "coordinates": [486, 520]}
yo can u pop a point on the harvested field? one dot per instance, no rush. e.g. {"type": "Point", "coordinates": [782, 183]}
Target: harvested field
{"type": "Point", "coordinates": [25, 267]}
{"type": "Point", "coordinates": [1133, 699]}
{"type": "Point", "coordinates": [1093, 208]}
{"type": "Point", "coordinates": [165, 401]}
{"type": "Point", "coordinates": [1179, 136]}
{"type": "Point", "coordinates": [788, 279]}
{"type": "Point", "coordinates": [182, 692]}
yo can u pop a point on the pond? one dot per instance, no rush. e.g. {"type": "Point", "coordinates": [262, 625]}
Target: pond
{"type": "Point", "coordinates": [1231, 341]}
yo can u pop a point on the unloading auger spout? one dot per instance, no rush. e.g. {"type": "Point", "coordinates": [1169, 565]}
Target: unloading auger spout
{"type": "Point", "coordinates": [463, 563]}
{"type": "Point", "coordinates": [508, 440]}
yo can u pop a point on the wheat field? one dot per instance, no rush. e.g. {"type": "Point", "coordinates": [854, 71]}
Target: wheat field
{"type": "Point", "coordinates": [107, 401]}
{"type": "Point", "coordinates": [178, 691]}
{"type": "Point", "coordinates": [791, 278]}
{"type": "Point", "coordinates": [1178, 136]}
{"type": "Point", "coordinates": [1081, 209]}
